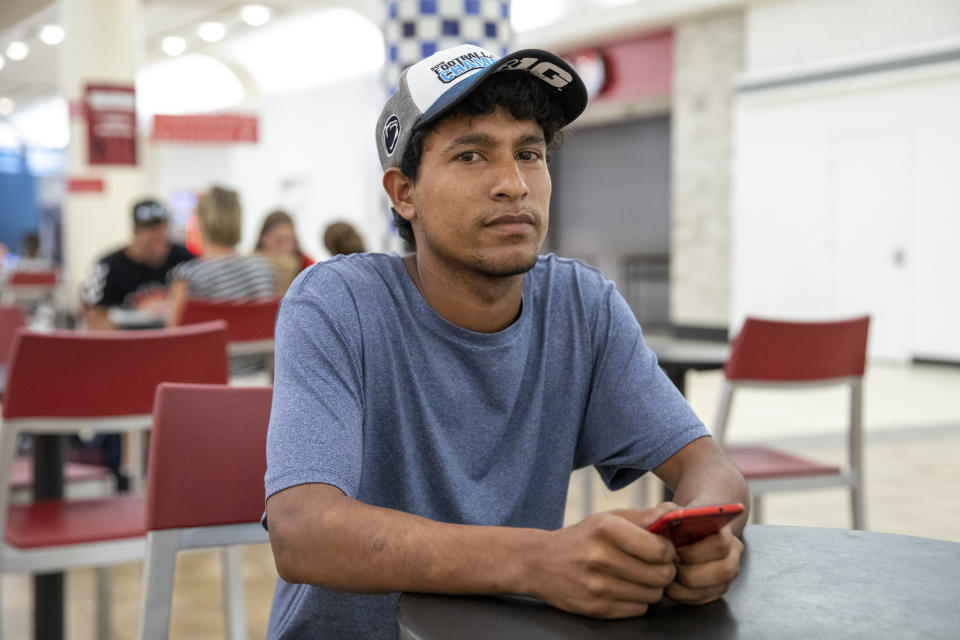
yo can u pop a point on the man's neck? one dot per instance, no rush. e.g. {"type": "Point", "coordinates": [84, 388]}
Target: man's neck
{"type": "Point", "coordinates": [137, 255]}
{"type": "Point", "coordinates": [474, 302]}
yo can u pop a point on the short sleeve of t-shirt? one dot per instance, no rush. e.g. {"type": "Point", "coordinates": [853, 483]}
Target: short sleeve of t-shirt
{"type": "Point", "coordinates": [315, 433]}
{"type": "Point", "coordinates": [95, 289]}
{"type": "Point", "coordinates": [636, 418]}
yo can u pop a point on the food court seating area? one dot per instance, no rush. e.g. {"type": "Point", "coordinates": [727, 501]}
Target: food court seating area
{"type": "Point", "coordinates": [912, 443]}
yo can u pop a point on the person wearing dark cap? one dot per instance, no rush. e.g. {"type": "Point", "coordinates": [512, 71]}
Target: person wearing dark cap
{"type": "Point", "coordinates": [428, 409]}
{"type": "Point", "coordinates": [134, 277]}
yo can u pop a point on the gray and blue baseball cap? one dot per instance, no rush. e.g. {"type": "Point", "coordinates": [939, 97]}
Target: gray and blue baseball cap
{"type": "Point", "coordinates": [433, 86]}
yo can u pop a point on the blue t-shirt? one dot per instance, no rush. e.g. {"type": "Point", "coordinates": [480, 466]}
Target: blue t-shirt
{"type": "Point", "coordinates": [379, 395]}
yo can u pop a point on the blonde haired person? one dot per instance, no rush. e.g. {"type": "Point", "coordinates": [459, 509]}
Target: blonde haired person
{"type": "Point", "coordinates": [220, 273]}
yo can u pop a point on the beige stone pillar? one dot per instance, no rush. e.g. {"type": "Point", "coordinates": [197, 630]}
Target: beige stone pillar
{"type": "Point", "coordinates": [708, 52]}
{"type": "Point", "coordinates": [102, 45]}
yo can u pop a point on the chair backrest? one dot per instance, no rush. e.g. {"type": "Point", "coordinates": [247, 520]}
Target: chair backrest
{"type": "Point", "coordinates": [70, 374]}
{"type": "Point", "coordinates": [11, 319]}
{"type": "Point", "coordinates": [781, 351]}
{"type": "Point", "coordinates": [246, 321]}
{"type": "Point", "coordinates": [47, 278]}
{"type": "Point", "coordinates": [207, 455]}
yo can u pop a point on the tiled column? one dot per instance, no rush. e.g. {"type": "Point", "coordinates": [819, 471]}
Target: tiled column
{"type": "Point", "coordinates": [415, 29]}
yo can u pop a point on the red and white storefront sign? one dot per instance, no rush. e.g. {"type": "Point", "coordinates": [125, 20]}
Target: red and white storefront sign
{"type": "Point", "coordinates": [111, 124]}
{"type": "Point", "coordinates": [221, 127]}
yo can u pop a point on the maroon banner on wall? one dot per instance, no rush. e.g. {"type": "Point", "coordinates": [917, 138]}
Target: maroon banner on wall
{"type": "Point", "coordinates": [221, 127]}
{"type": "Point", "coordinates": [111, 124]}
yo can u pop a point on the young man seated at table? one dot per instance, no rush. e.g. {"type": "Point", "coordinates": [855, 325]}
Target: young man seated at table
{"type": "Point", "coordinates": [428, 409]}
{"type": "Point", "coordinates": [135, 277]}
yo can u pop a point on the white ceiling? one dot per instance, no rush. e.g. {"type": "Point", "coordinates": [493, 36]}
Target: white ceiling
{"type": "Point", "coordinates": [553, 24]}
{"type": "Point", "coordinates": [35, 78]}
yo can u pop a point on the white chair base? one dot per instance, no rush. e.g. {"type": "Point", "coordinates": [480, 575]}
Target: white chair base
{"type": "Point", "coordinates": [159, 566]}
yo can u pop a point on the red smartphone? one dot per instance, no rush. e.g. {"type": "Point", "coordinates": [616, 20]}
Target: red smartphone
{"type": "Point", "coordinates": [686, 526]}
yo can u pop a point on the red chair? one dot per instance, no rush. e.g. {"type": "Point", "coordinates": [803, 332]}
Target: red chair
{"type": "Point", "coordinates": [31, 286]}
{"type": "Point", "coordinates": [66, 382]}
{"type": "Point", "coordinates": [204, 489]}
{"type": "Point", "coordinates": [250, 324]}
{"type": "Point", "coordinates": [771, 354]}
{"type": "Point", "coordinates": [80, 478]}
{"type": "Point", "coordinates": [11, 319]}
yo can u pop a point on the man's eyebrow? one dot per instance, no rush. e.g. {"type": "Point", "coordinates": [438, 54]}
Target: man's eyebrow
{"type": "Point", "coordinates": [486, 140]}
{"type": "Point", "coordinates": [472, 139]}
{"type": "Point", "coordinates": [532, 139]}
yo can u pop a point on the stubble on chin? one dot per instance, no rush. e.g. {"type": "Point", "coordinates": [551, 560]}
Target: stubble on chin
{"type": "Point", "coordinates": [490, 269]}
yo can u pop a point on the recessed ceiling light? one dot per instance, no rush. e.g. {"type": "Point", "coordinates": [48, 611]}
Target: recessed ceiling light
{"type": "Point", "coordinates": [6, 106]}
{"type": "Point", "coordinates": [51, 34]}
{"type": "Point", "coordinates": [255, 14]}
{"type": "Point", "coordinates": [173, 45]}
{"type": "Point", "coordinates": [2, 62]}
{"type": "Point", "coordinates": [211, 31]}
{"type": "Point", "coordinates": [17, 50]}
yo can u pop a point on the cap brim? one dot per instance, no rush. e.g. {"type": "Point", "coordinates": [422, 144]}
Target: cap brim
{"type": "Point", "coordinates": [572, 96]}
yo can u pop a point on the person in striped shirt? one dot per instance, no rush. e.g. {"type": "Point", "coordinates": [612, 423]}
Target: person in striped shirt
{"type": "Point", "coordinates": [220, 273]}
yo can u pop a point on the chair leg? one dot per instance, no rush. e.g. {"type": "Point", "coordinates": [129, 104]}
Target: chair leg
{"type": "Point", "coordinates": [159, 564]}
{"type": "Point", "coordinates": [856, 504]}
{"type": "Point", "coordinates": [641, 491]}
{"type": "Point", "coordinates": [756, 509]}
{"type": "Point", "coordinates": [104, 577]}
{"type": "Point", "coordinates": [234, 610]}
{"type": "Point", "coordinates": [586, 489]}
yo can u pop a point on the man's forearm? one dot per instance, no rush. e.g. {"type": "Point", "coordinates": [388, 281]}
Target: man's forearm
{"type": "Point", "coordinates": [705, 475]}
{"type": "Point", "coordinates": [323, 538]}
{"type": "Point", "coordinates": [97, 319]}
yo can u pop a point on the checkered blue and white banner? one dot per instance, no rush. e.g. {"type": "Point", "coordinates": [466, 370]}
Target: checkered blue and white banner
{"type": "Point", "coordinates": [416, 29]}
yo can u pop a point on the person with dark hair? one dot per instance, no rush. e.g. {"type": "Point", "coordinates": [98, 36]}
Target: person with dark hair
{"type": "Point", "coordinates": [341, 239]}
{"type": "Point", "coordinates": [428, 409]}
{"type": "Point", "coordinates": [135, 277]}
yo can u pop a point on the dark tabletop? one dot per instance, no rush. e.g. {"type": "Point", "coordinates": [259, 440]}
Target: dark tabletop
{"type": "Point", "coordinates": [689, 354]}
{"type": "Point", "coordinates": [795, 582]}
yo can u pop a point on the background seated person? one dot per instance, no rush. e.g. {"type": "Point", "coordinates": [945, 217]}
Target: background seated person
{"type": "Point", "coordinates": [278, 242]}
{"type": "Point", "coordinates": [428, 409]}
{"type": "Point", "coordinates": [220, 273]}
{"type": "Point", "coordinates": [134, 277]}
{"type": "Point", "coordinates": [341, 239]}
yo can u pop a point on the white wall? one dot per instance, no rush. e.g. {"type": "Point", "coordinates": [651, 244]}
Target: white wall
{"type": "Point", "coordinates": [847, 191]}
{"type": "Point", "coordinates": [316, 158]}
{"type": "Point", "coordinates": [796, 32]}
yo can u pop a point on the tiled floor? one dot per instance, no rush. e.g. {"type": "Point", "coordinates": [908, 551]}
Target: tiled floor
{"type": "Point", "coordinates": [912, 457]}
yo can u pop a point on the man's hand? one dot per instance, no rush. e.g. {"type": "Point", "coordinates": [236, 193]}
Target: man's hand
{"type": "Point", "coordinates": [606, 566]}
{"type": "Point", "coordinates": [706, 568]}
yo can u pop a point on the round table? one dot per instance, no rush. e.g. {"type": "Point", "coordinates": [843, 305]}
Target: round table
{"type": "Point", "coordinates": [676, 356]}
{"type": "Point", "coordinates": [795, 582]}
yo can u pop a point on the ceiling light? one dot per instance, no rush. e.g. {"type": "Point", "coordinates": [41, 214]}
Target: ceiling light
{"type": "Point", "coordinates": [51, 34]}
{"type": "Point", "coordinates": [173, 45]}
{"type": "Point", "coordinates": [2, 62]}
{"type": "Point", "coordinates": [6, 106]}
{"type": "Point", "coordinates": [211, 31]}
{"type": "Point", "coordinates": [17, 50]}
{"type": "Point", "coordinates": [255, 14]}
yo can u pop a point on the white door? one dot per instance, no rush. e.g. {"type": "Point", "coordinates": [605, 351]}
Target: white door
{"type": "Point", "coordinates": [870, 194]}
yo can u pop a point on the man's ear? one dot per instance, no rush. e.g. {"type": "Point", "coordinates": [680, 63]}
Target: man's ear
{"type": "Point", "coordinates": [400, 189]}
